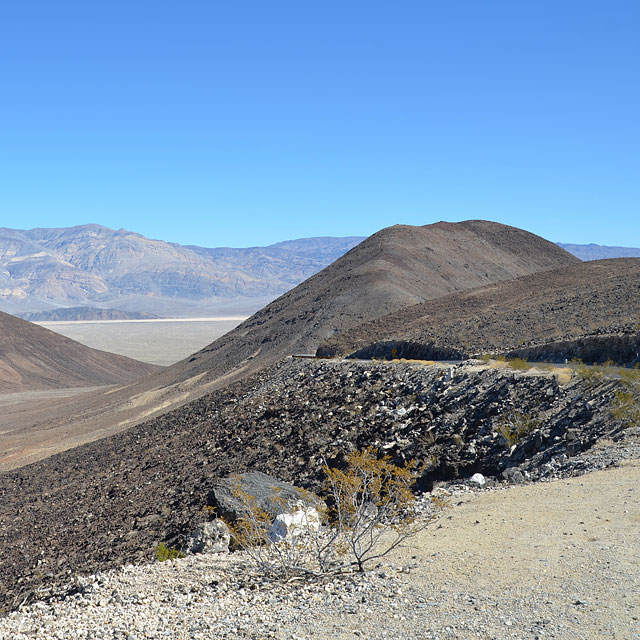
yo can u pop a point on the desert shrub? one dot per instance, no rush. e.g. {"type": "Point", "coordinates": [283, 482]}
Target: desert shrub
{"type": "Point", "coordinates": [519, 364]}
{"type": "Point", "coordinates": [167, 553]}
{"type": "Point", "coordinates": [516, 425]}
{"type": "Point", "coordinates": [485, 357]}
{"type": "Point", "coordinates": [372, 506]}
{"type": "Point", "coordinates": [626, 403]}
{"type": "Point", "coordinates": [371, 512]}
{"type": "Point", "coordinates": [590, 374]}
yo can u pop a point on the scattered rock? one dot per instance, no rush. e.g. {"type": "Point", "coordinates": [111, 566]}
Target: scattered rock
{"type": "Point", "coordinates": [209, 537]}
{"type": "Point", "coordinates": [478, 479]}
{"type": "Point", "coordinates": [513, 475]}
{"type": "Point", "coordinates": [302, 521]}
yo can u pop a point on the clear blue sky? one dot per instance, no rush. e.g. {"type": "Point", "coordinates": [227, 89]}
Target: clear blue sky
{"type": "Point", "coordinates": [245, 123]}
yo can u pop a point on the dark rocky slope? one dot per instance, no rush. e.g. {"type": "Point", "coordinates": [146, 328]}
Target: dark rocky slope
{"type": "Point", "coordinates": [393, 269]}
{"type": "Point", "coordinates": [588, 310]}
{"type": "Point", "coordinates": [113, 501]}
{"type": "Point", "coordinates": [34, 358]}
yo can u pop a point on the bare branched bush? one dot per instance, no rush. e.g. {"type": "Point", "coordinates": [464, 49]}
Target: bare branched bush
{"type": "Point", "coordinates": [372, 506]}
{"type": "Point", "coordinates": [372, 511]}
{"type": "Point", "coordinates": [274, 557]}
{"type": "Point", "coordinates": [626, 403]}
{"type": "Point", "coordinates": [516, 425]}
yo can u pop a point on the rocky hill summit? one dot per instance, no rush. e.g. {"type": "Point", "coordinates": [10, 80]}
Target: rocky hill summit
{"type": "Point", "coordinates": [393, 269]}
{"type": "Point", "coordinates": [588, 310]}
{"type": "Point", "coordinates": [113, 501]}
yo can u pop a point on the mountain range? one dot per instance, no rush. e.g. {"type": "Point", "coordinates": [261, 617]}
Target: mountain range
{"type": "Point", "coordinates": [592, 251]}
{"type": "Point", "coordinates": [396, 268]}
{"type": "Point", "coordinates": [116, 471]}
{"type": "Point", "coordinates": [92, 272]}
{"type": "Point", "coordinates": [93, 266]}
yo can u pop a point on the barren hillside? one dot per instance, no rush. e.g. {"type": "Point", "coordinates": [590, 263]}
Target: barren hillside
{"type": "Point", "coordinates": [34, 358]}
{"type": "Point", "coordinates": [112, 501]}
{"type": "Point", "coordinates": [566, 312]}
{"type": "Point", "coordinates": [393, 269]}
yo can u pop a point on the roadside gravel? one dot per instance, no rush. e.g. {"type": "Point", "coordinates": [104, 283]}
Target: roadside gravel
{"type": "Point", "coordinates": [556, 559]}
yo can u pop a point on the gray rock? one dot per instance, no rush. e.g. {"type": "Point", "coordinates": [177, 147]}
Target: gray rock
{"type": "Point", "coordinates": [513, 475]}
{"type": "Point", "coordinates": [228, 495]}
{"type": "Point", "coordinates": [209, 537]}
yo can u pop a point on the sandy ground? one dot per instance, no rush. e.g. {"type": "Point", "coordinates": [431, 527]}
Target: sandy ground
{"type": "Point", "coordinates": [556, 560]}
{"type": "Point", "coordinates": [159, 341]}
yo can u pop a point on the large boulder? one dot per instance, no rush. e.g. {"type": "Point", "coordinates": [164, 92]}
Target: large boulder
{"type": "Point", "coordinates": [232, 495]}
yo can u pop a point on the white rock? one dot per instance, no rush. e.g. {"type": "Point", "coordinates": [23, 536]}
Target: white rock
{"type": "Point", "coordinates": [478, 478]}
{"type": "Point", "coordinates": [294, 524]}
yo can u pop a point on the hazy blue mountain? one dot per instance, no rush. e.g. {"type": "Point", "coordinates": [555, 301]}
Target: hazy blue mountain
{"type": "Point", "coordinates": [93, 266]}
{"type": "Point", "coordinates": [599, 251]}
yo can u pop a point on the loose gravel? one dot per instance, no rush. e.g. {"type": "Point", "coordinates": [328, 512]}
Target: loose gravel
{"type": "Point", "coordinates": [557, 559]}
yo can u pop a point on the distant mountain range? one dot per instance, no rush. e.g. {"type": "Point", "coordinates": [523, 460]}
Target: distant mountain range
{"type": "Point", "coordinates": [91, 272]}
{"type": "Point", "coordinates": [93, 266]}
{"type": "Point", "coordinates": [588, 252]}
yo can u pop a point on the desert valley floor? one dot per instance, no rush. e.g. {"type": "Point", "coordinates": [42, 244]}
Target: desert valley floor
{"type": "Point", "coordinates": [160, 342]}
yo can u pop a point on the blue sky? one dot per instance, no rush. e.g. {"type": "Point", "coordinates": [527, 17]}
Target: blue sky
{"type": "Point", "coordinates": [247, 123]}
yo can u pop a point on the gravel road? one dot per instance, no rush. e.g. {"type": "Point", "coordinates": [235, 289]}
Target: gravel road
{"type": "Point", "coordinates": [556, 559]}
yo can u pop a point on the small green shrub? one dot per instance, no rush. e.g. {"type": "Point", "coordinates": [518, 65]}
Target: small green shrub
{"type": "Point", "coordinates": [518, 363]}
{"type": "Point", "coordinates": [515, 426]}
{"type": "Point", "coordinates": [590, 374]}
{"type": "Point", "coordinates": [167, 553]}
{"type": "Point", "coordinates": [626, 403]}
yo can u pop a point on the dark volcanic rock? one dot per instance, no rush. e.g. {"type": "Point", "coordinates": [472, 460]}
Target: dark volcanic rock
{"type": "Point", "coordinates": [590, 310]}
{"type": "Point", "coordinates": [229, 495]}
{"type": "Point", "coordinates": [113, 501]}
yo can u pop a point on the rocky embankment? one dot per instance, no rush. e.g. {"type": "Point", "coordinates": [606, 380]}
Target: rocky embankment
{"type": "Point", "coordinates": [548, 560]}
{"type": "Point", "coordinates": [111, 502]}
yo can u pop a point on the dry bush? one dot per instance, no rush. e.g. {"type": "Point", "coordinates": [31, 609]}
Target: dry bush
{"type": "Point", "coordinates": [516, 425]}
{"type": "Point", "coordinates": [519, 364]}
{"type": "Point", "coordinates": [284, 558]}
{"type": "Point", "coordinates": [371, 512]}
{"type": "Point", "coordinates": [372, 506]}
{"type": "Point", "coordinates": [626, 403]}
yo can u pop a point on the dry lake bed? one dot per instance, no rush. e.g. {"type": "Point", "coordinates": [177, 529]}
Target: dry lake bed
{"type": "Point", "coordinates": [161, 341]}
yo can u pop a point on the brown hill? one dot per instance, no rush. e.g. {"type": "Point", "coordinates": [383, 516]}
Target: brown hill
{"type": "Point", "coordinates": [590, 310]}
{"type": "Point", "coordinates": [393, 269]}
{"type": "Point", "coordinates": [34, 358]}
